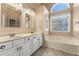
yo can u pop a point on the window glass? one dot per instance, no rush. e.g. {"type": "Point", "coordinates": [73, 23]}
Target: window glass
{"type": "Point", "coordinates": [59, 7]}
{"type": "Point", "coordinates": [60, 22]}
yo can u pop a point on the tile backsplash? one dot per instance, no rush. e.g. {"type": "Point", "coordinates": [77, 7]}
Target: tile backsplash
{"type": "Point", "coordinates": [5, 31]}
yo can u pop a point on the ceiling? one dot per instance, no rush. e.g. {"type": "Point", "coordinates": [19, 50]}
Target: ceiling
{"type": "Point", "coordinates": [48, 5]}
{"type": "Point", "coordinates": [36, 5]}
{"type": "Point", "coordinates": [31, 5]}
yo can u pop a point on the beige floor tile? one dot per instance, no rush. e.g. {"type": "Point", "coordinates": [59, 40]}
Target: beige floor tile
{"type": "Point", "coordinates": [45, 51]}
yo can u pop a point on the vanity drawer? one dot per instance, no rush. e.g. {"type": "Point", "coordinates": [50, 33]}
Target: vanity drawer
{"type": "Point", "coordinates": [5, 45]}
{"type": "Point", "coordinates": [18, 41]}
{"type": "Point", "coordinates": [27, 39]}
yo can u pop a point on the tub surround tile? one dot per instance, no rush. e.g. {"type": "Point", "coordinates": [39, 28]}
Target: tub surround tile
{"type": "Point", "coordinates": [63, 39]}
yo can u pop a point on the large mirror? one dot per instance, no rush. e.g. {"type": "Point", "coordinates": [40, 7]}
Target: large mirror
{"type": "Point", "coordinates": [10, 16]}
{"type": "Point", "coordinates": [16, 16]}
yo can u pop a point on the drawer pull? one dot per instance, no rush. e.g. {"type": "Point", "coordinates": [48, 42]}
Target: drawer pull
{"type": "Point", "coordinates": [2, 47]}
{"type": "Point", "coordinates": [28, 39]}
{"type": "Point", "coordinates": [38, 38]}
{"type": "Point", "coordinates": [34, 37]}
{"type": "Point", "coordinates": [17, 48]}
{"type": "Point", "coordinates": [20, 47]}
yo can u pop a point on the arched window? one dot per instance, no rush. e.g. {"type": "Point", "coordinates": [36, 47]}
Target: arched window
{"type": "Point", "coordinates": [60, 18]}
{"type": "Point", "coordinates": [60, 7]}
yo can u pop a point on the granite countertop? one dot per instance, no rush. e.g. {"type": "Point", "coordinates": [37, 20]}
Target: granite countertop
{"type": "Point", "coordinates": [8, 38]}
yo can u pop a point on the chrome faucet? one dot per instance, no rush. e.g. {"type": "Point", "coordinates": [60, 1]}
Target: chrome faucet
{"type": "Point", "coordinates": [11, 34]}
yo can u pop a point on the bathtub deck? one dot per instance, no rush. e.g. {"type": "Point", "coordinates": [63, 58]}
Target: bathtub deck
{"type": "Point", "coordinates": [45, 51]}
{"type": "Point", "coordinates": [59, 46]}
{"type": "Point", "coordinates": [63, 43]}
{"type": "Point", "coordinates": [63, 39]}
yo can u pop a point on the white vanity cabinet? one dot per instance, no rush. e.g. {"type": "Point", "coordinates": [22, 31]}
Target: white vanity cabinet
{"type": "Point", "coordinates": [7, 50]}
{"type": "Point", "coordinates": [40, 40]}
{"type": "Point", "coordinates": [10, 52]}
{"type": "Point", "coordinates": [35, 43]}
{"type": "Point", "coordinates": [32, 43]}
{"type": "Point", "coordinates": [18, 42]}
{"type": "Point", "coordinates": [27, 46]}
{"type": "Point", "coordinates": [24, 46]}
{"type": "Point", "coordinates": [5, 45]}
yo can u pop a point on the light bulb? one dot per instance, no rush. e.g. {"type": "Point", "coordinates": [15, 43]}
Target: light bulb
{"type": "Point", "coordinates": [20, 5]}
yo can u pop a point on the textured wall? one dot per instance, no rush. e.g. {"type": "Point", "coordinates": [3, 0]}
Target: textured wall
{"type": "Point", "coordinates": [5, 31]}
{"type": "Point", "coordinates": [76, 20]}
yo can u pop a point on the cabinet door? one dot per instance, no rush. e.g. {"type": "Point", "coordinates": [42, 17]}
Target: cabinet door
{"type": "Point", "coordinates": [35, 43]}
{"type": "Point", "coordinates": [10, 52]}
{"type": "Point", "coordinates": [27, 47]}
{"type": "Point", "coordinates": [40, 40]}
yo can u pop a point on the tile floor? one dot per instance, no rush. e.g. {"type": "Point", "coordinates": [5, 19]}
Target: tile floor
{"type": "Point", "coordinates": [45, 51]}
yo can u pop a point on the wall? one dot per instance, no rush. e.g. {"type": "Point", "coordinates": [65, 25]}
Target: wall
{"type": "Point", "coordinates": [46, 20]}
{"type": "Point", "coordinates": [7, 30]}
{"type": "Point", "coordinates": [40, 22]}
{"type": "Point", "coordinates": [40, 19]}
{"type": "Point", "coordinates": [76, 20]}
{"type": "Point", "coordinates": [0, 14]}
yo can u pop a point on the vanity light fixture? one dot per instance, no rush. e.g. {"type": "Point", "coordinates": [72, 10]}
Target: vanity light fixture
{"type": "Point", "coordinates": [16, 5]}
{"type": "Point", "coordinates": [29, 11]}
{"type": "Point", "coordinates": [19, 6]}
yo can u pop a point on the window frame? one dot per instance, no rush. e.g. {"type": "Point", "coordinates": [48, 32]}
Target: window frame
{"type": "Point", "coordinates": [67, 15]}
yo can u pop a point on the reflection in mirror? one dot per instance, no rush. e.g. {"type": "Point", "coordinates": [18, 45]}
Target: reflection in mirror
{"type": "Point", "coordinates": [27, 21]}
{"type": "Point", "coordinates": [10, 16]}
{"type": "Point", "coordinates": [13, 22]}
{"type": "Point", "coordinates": [13, 17]}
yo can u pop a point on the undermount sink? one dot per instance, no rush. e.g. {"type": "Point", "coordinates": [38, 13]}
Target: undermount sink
{"type": "Point", "coordinates": [15, 36]}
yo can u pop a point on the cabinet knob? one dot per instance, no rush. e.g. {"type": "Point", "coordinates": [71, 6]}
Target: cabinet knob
{"type": "Point", "coordinates": [20, 47]}
{"type": "Point", "coordinates": [34, 37]}
{"type": "Point", "coordinates": [28, 39]}
{"type": "Point", "coordinates": [17, 48]}
{"type": "Point", "coordinates": [2, 47]}
{"type": "Point", "coordinates": [38, 38]}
